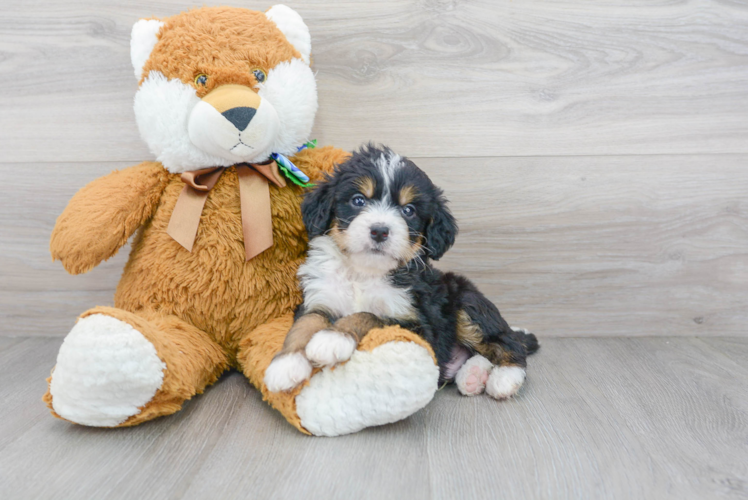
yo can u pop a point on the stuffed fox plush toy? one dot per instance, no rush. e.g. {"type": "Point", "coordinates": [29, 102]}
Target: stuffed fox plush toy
{"type": "Point", "coordinates": [211, 280]}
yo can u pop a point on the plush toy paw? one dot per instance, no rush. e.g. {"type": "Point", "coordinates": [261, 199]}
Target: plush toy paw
{"type": "Point", "coordinates": [471, 378]}
{"type": "Point", "coordinates": [287, 371]}
{"type": "Point", "coordinates": [505, 381]}
{"type": "Point", "coordinates": [376, 387]}
{"type": "Point", "coordinates": [106, 371]}
{"type": "Point", "coordinates": [328, 348]}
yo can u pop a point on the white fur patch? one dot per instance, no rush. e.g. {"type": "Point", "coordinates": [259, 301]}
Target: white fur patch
{"type": "Point", "coordinates": [143, 38]}
{"type": "Point", "coordinates": [388, 164]}
{"type": "Point", "coordinates": [505, 381]}
{"type": "Point", "coordinates": [287, 371]}
{"type": "Point", "coordinates": [471, 378]}
{"type": "Point", "coordinates": [291, 89]}
{"type": "Point", "coordinates": [328, 348]}
{"type": "Point", "coordinates": [390, 383]}
{"type": "Point", "coordinates": [332, 282]}
{"type": "Point", "coordinates": [106, 371]}
{"type": "Point", "coordinates": [210, 131]}
{"type": "Point", "coordinates": [293, 27]}
{"type": "Point", "coordinates": [180, 141]}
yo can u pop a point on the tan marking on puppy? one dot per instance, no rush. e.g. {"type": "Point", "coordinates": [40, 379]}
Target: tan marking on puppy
{"type": "Point", "coordinates": [337, 236]}
{"type": "Point", "coordinates": [367, 185]}
{"type": "Point", "coordinates": [302, 331]}
{"type": "Point", "coordinates": [470, 335]}
{"type": "Point", "coordinates": [415, 249]}
{"type": "Point", "coordinates": [358, 325]}
{"type": "Point", "coordinates": [407, 195]}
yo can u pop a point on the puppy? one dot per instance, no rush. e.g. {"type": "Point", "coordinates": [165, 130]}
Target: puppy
{"type": "Point", "coordinates": [374, 227]}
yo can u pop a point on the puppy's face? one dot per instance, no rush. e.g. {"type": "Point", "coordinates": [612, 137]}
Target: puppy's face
{"type": "Point", "coordinates": [381, 210]}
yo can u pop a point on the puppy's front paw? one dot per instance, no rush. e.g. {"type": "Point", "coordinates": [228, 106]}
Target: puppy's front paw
{"type": "Point", "coordinates": [505, 381]}
{"type": "Point", "coordinates": [472, 376]}
{"type": "Point", "coordinates": [328, 348]}
{"type": "Point", "coordinates": [287, 371]}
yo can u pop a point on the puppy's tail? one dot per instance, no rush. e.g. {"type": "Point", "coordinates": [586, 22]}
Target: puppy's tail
{"type": "Point", "coordinates": [527, 339]}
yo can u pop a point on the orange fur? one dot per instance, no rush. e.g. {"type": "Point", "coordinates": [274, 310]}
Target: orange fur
{"type": "Point", "coordinates": [212, 291]}
{"type": "Point", "coordinates": [104, 214]}
{"type": "Point", "coordinates": [222, 42]}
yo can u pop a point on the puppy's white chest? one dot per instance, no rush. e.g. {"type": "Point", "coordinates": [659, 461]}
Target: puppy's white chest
{"type": "Point", "coordinates": [329, 284]}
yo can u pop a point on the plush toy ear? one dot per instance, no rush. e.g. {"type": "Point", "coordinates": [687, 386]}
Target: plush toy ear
{"type": "Point", "coordinates": [142, 40]}
{"type": "Point", "coordinates": [291, 24]}
{"type": "Point", "coordinates": [317, 209]}
{"type": "Point", "coordinates": [441, 231]}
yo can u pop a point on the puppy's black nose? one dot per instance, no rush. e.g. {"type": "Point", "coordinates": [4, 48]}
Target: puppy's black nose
{"type": "Point", "coordinates": [379, 233]}
{"type": "Point", "coordinates": [240, 116]}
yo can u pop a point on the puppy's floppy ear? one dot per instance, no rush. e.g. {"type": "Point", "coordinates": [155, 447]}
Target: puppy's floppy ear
{"type": "Point", "coordinates": [441, 230]}
{"type": "Point", "coordinates": [317, 208]}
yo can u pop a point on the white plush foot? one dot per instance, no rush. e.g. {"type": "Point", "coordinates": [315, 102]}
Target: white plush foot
{"type": "Point", "coordinates": [518, 329]}
{"type": "Point", "coordinates": [328, 348]}
{"type": "Point", "coordinates": [106, 371]}
{"type": "Point", "coordinates": [391, 382]}
{"type": "Point", "coordinates": [505, 381]}
{"type": "Point", "coordinates": [287, 371]}
{"type": "Point", "coordinates": [471, 378]}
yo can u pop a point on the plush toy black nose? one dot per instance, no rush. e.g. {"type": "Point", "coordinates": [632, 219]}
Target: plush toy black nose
{"type": "Point", "coordinates": [240, 116]}
{"type": "Point", "coordinates": [379, 233]}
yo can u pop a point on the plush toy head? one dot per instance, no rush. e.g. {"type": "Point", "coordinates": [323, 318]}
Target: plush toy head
{"type": "Point", "coordinates": [221, 86]}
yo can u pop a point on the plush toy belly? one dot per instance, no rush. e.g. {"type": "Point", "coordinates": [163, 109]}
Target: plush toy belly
{"type": "Point", "coordinates": [212, 287]}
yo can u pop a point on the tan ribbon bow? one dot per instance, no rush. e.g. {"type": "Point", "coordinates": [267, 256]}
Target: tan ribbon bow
{"type": "Point", "coordinates": [254, 194]}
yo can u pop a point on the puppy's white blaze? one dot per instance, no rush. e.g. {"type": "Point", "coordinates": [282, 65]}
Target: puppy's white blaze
{"type": "Point", "coordinates": [181, 142]}
{"type": "Point", "coordinates": [330, 280]}
{"type": "Point", "coordinates": [287, 371]}
{"type": "Point", "coordinates": [471, 378]}
{"type": "Point", "coordinates": [328, 348]}
{"type": "Point", "coordinates": [505, 381]}
{"type": "Point", "coordinates": [387, 165]}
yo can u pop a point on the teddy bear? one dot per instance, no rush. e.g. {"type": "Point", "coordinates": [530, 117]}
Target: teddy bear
{"type": "Point", "coordinates": [226, 103]}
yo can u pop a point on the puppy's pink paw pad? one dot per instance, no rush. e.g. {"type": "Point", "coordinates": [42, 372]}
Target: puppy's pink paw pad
{"type": "Point", "coordinates": [471, 378]}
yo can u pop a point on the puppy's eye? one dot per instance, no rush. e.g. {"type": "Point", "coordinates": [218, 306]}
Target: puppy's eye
{"type": "Point", "coordinates": [260, 75]}
{"type": "Point", "coordinates": [358, 200]}
{"type": "Point", "coordinates": [201, 79]}
{"type": "Point", "coordinates": [408, 210]}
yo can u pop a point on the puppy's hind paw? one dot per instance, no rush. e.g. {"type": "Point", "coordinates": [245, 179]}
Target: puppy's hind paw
{"type": "Point", "coordinates": [328, 348]}
{"type": "Point", "coordinates": [471, 378]}
{"type": "Point", "coordinates": [505, 381]}
{"type": "Point", "coordinates": [287, 371]}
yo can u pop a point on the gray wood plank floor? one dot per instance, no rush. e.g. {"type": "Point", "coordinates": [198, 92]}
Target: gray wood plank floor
{"type": "Point", "coordinates": [598, 418]}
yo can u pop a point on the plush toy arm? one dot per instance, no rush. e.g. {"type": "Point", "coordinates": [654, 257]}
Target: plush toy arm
{"type": "Point", "coordinates": [319, 161]}
{"type": "Point", "coordinates": [104, 214]}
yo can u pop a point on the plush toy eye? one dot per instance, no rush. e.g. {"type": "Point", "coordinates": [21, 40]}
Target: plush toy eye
{"type": "Point", "coordinates": [201, 79]}
{"type": "Point", "coordinates": [358, 200]}
{"type": "Point", "coordinates": [260, 75]}
{"type": "Point", "coordinates": [408, 210]}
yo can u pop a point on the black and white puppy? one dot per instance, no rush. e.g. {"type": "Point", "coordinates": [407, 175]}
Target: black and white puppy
{"type": "Point", "coordinates": [374, 226]}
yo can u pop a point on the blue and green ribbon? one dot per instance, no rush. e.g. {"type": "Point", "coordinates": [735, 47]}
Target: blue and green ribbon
{"type": "Point", "coordinates": [291, 171]}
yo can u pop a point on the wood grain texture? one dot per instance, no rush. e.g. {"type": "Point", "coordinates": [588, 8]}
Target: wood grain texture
{"type": "Point", "coordinates": [432, 77]}
{"type": "Point", "coordinates": [570, 246]}
{"type": "Point", "coordinates": [663, 418]}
